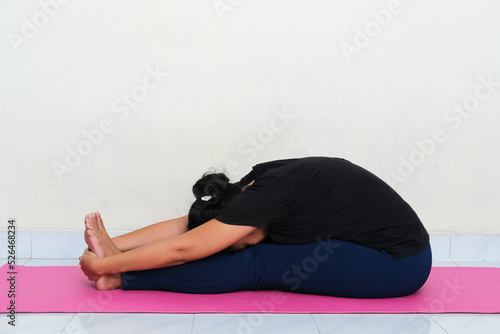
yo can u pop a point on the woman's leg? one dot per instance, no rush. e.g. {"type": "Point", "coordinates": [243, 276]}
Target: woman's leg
{"type": "Point", "coordinates": [331, 267]}
{"type": "Point", "coordinates": [99, 242]}
{"type": "Point", "coordinates": [343, 269]}
{"type": "Point", "coordinates": [215, 274]}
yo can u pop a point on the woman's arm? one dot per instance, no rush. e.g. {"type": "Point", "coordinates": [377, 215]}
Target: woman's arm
{"type": "Point", "coordinates": [203, 241]}
{"type": "Point", "coordinates": [159, 231]}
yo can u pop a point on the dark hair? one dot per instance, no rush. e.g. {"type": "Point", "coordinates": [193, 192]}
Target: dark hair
{"type": "Point", "coordinates": [213, 192]}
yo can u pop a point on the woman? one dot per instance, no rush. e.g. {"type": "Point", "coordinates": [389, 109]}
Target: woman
{"type": "Point", "coordinates": [315, 225]}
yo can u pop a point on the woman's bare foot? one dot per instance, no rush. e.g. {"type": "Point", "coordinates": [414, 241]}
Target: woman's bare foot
{"type": "Point", "coordinates": [100, 244]}
{"type": "Point", "coordinates": [109, 282]}
{"type": "Point", "coordinates": [102, 282]}
{"type": "Point", "coordinates": [97, 237]}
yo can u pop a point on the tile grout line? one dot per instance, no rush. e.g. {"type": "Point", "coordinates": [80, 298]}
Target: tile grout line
{"type": "Point", "coordinates": [70, 320]}
{"type": "Point", "coordinates": [31, 245]}
{"type": "Point", "coordinates": [192, 324]}
{"type": "Point", "coordinates": [314, 320]}
{"type": "Point", "coordinates": [437, 323]}
{"type": "Point", "coordinates": [449, 248]}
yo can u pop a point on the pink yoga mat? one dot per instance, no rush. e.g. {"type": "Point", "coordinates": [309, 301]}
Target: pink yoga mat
{"type": "Point", "coordinates": [65, 289]}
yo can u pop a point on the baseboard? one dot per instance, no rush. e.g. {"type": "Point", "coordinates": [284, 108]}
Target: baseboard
{"type": "Point", "coordinates": [40, 244]}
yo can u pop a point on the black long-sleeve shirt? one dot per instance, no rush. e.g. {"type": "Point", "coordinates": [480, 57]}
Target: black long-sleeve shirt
{"type": "Point", "coordinates": [310, 199]}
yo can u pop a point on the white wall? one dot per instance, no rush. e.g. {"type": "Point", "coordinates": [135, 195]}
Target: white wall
{"type": "Point", "coordinates": [248, 81]}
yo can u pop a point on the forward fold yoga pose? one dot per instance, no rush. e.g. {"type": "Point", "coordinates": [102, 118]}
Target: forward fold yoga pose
{"type": "Point", "coordinates": [314, 225]}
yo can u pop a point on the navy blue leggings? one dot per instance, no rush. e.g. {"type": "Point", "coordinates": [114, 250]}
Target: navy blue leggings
{"type": "Point", "coordinates": [330, 267]}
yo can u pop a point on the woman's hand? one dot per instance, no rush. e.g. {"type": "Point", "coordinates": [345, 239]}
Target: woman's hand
{"type": "Point", "coordinates": [88, 264]}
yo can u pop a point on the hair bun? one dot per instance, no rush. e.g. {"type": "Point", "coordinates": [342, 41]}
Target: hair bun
{"type": "Point", "coordinates": [210, 188]}
{"type": "Point", "coordinates": [213, 192]}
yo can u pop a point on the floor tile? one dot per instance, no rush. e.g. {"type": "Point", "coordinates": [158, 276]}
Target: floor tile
{"type": "Point", "coordinates": [28, 323]}
{"type": "Point", "coordinates": [376, 324]}
{"type": "Point", "coordinates": [494, 264]}
{"type": "Point", "coordinates": [255, 323]}
{"type": "Point", "coordinates": [440, 245]}
{"type": "Point", "coordinates": [19, 262]}
{"type": "Point", "coordinates": [443, 263]}
{"type": "Point", "coordinates": [23, 262]}
{"type": "Point", "coordinates": [52, 262]}
{"type": "Point", "coordinates": [23, 243]}
{"type": "Point", "coordinates": [475, 247]}
{"type": "Point", "coordinates": [57, 244]}
{"type": "Point", "coordinates": [130, 323]}
{"type": "Point", "coordinates": [468, 323]}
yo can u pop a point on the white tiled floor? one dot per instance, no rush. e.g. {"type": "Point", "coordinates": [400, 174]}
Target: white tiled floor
{"type": "Point", "coordinates": [124, 323]}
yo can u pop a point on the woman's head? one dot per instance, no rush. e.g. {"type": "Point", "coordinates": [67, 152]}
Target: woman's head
{"type": "Point", "coordinates": [213, 192]}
